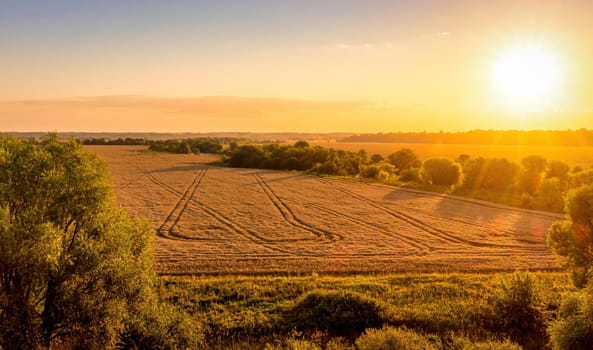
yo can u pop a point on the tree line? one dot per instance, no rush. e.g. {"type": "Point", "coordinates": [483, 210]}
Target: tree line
{"type": "Point", "coordinates": [581, 137]}
{"type": "Point", "coordinates": [299, 156]}
{"type": "Point", "coordinates": [185, 146]}
{"type": "Point", "coordinates": [534, 183]}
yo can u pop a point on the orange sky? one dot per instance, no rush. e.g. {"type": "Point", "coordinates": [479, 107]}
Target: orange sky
{"type": "Point", "coordinates": [297, 66]}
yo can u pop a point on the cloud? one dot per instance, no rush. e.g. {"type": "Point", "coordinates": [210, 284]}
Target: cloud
{"type": "Point", "coordinates": [211, 113]}
{"type": "Point", "coordinates": [208, 105]}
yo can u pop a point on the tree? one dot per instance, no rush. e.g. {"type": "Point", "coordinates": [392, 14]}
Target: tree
{"type": "Point", "coordinates": [74, 269]}
{"type": "Point", "coordinates": [559, 170]}
{"type": "Point", "coordinates": [550, 195]}
{"type": "Point", "coordinates": [362, 154]}
{"type": "Point", "coordinates": [440, 172]}
{"type": "Point", "coordinates": [462, 159]}
{"type": "Point", "coordinates": [247, 156]}
{"type": "Point", "coordinates": [531, 175]}
{"type": "Point", "coordinates": [489, 173]}
{"type": "Point", "coordinates": [573, 237]}
{"type": "Point", "coordinates": [301, 144]}
{"type": "Point", "coordinates": [404, 159]}
{"type": "Point", "coordinates": [376, 158]}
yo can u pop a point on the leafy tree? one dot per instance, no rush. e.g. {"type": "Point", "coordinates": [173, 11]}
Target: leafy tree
{"type": "Point", "coordinates": [573, 237]}
{"type": "Point", "coordinates": [489, 173]}
{"type": "Point", "coordinates": [301, 144]}
{"type": "Point", "coordinates": [362, 154]}
{"type": "Point", "coordinates": [559, 170]}
{"type": "Point", "coordinates": [531, 175]}
{"type": "Point", "coordinates": [580, 178]}
{"type": "Point", "coordinates": [550, 195]}
{"type": "Point", "coordinates": [376, 158]}
{"type": "Point", "coordinates": [404, 159]}
{"type": "Point", "coordinates": [440, 172]}
{"type": "Point", "coordinates": [247, 156]}
{"type": "Point", "coordinates": [462, 159]}
{"type": "Point", "coordinates": [74, 269]}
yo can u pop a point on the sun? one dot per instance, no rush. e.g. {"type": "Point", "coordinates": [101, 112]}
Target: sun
{"type": "Point", "coordinates": [528, 77]}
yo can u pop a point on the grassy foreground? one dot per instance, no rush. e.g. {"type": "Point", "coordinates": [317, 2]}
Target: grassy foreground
{"type": "Point", "coordinates": [250, 312]}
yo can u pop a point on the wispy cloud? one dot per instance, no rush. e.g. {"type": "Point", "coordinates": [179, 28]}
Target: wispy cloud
{"type": "Point", "coordinates": [211, 105]}
{"type": "Point", "coordinates": [214, 113]}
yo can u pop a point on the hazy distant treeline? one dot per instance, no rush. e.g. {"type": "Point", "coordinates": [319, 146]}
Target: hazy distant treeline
{"type": "Point", "coordinates": [118, 141]}
{"type": "Point", "coordinates": [581, 137]}
{"type": "Point", "coordinates": [191, 145]}
{"type": "Point", "coordinates": [195, 146]}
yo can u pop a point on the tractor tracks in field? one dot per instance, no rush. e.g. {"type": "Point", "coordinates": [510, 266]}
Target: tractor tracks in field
{"type": "Point", "coordinates": [420, 248]}
{"type": "Point", "coordinates": [419, 224]}
{"type": "Point", "coordinates": [127, 183]}
{"type": "Point", "coordinates": [166, 230]}
{"type": "Point", "coordinates": [289, 216]}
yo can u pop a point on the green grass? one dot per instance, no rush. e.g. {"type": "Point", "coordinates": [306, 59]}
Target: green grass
{"type": "Point", "coordinates": [242, 311]}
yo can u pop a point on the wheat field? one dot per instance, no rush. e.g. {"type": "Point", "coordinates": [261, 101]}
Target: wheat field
{"type": "Point", "coordinates": [210, 220]}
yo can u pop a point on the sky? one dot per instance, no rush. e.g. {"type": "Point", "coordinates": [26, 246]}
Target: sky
{"type": "Point", "coordinates": [263, 65]}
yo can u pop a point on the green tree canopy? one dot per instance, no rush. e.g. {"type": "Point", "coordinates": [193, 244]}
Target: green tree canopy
{"type": "Point", "coordinates": [404, 159]}
{"type": "Point", "coordinates": [573, 237]}
{"type": "Point", "coordinates": [440, 172]}
{"type": "Point", "coordinates": [74, 269]}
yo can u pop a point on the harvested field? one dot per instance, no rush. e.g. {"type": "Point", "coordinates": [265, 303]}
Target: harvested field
{"type": "Point", "coordinates": [220, 220]}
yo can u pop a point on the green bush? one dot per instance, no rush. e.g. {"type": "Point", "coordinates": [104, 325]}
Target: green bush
{"type": "Point", "coordinates": [519, 313]}
{"type": "Point", "coordinates": [376, 158]}
{"type": "Point", "coordinates": [404, 159]}
{"type": "Point", "coordinates": [574, 328]}
{"type": "Point", "coordinates": [369, 171]}
{"type": "Point", "coordinates": [409, 175]}
{"type": "Point", "coordinates": [335, 312]}
{"type": "Point", "coordinates": [161, 326]}
{"type": "Point", "coordinates": [389, 338]}
{"type": "Point", "coordinates": [440, 172]}
{"type": "Point", "coordinates": [380, 171]}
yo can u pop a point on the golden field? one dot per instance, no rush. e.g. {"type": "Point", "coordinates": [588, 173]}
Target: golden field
{"type": "Point", "coordinates": [581, 156]}
{"type": "Point", "coordinates": [210, 219]}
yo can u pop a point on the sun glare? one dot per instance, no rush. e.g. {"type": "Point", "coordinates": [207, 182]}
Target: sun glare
{"type": "Point", "coordinates": [528, 77]}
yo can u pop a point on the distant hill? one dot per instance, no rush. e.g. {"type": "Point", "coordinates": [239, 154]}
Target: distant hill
{"type": "Point", "coordinates": [581, 137]}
